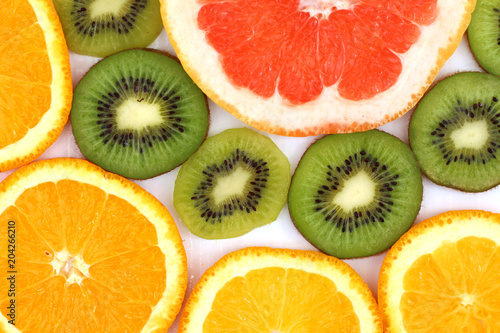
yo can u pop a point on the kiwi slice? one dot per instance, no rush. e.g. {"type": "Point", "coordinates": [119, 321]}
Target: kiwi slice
{"type": "Point", "coordinates": [484, 35]}
{"type": "Point", "coordinates": [237, 181]}
{"type": "Point", "coordinates": [455, 132]}
{"type": "Point", "coordinates": [353, 195]}
{"type": "Point", "coordinates": [138, 114]}
{"type": "Point", "coordinates": [102, 27]}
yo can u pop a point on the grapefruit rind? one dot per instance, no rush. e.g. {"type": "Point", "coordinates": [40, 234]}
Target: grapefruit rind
{"type": "Point", "coordinates": [423, 239]}
{"type": "Point", "coordinates": [240, 262]}
{"type": "Point", "coordinates": [169, 240]}
{"type": "Point", "coordinates": [50, 126]}
{"type": "Point", "coordinates": [329, 113]}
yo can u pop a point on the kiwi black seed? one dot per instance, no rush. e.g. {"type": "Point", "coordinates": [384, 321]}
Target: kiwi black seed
{"type": "Point", "coordinates": [484, 34]}
{"type": "Point", "coordinates": [102, 27]}
{"type": "Point", "coordinates": [353, 195]}
{"type": "Point", "coordinates": [237, 181]}
{"type": "Point", "coordinates": [138, 114]}
{"type": "Point", "coordinates": [455, 132]}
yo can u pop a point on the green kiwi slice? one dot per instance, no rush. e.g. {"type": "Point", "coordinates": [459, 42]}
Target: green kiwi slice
{"type": "Point", "coordinates": [353, 195]}
{"type": "Point", "coordinates": [237, 181]}
{"type": "Point", "coordinates": [455, 132]}
{"type": "Point", "coordinates": [102, 27]}
{"type": "Point", "coordinates": [484, 35]}
{"type": "Point", "coordinates": [138, 114]}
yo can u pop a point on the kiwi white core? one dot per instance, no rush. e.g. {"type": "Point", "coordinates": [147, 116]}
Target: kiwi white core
{"type": "Point", "coordinates": [471, 135]}
{"type": "Point", "coordinates": [231, 185]}
{"type": "Point", "coordinates": [100, 8]}
{"type": "Point", "coordinates": [133, 114]}
{"type": "Point", "coordinates": [358, 191]}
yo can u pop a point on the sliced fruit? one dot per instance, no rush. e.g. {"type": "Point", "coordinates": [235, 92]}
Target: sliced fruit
{"type": "Point", "coordinates": [86, 250]}
{"type": "Point", "coordinates": [237, 181]}
{"type": "Point", "coordinates": [354, 195]}
{"type": "Point", "coordinates": [484, 34]}
{"type": "Point", "coordinates": [276, 290]}
{"type": "Point", "coordinates": [443, 275]}
{"type": "Point", "coordinates": [101, 27]}
{"type": "Point", "coordinates": [138, 114]}
{"type": "Point", "coordinates": [35, 77]}
{"type": "Point", "coordinates": [305, 67]}
{"type": "Point", "coordinates": [455, 132]}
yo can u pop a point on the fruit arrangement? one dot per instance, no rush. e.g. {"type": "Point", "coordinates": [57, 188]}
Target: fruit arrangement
{"type": "Point", "coordinates": [234, 202]}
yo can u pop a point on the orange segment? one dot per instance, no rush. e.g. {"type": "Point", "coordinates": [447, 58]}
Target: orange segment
{"type": "Point", "coordinates": [475, 254]}
{"type": "Point", "coordinates": [77, 311]}
{"type": "Point", "coordinates": [276, 290]}
{"type": "Point", "coordinates": [138, 275]}
{"type": "Point", "coordinates": [15, 17]}
{"type": "Point", "coordinates": [432, 282]}
{"type": "Point", "coordinates": [321, 308]}
{"type": "Point", "coordinates": [15, 126]}
{"type": "Point", "coordinates": [36, 250]}
{"type": "Point", "coordinates": [28, 315]}
{"type": "Point", "coordinates": [487, 282]}
{"type": "Point", "coordinates": [114, 310]}
{"type": "Point", "coordinates": [138, 233]}
{"type": "Point", "coordinates": [79, 218]}
{"type": "Point", "coordinates": [91, 251]}
{"type": "Point", "coordinates": [230, 312]}
{"type": "Point", "coordinates": [40, 205]}
{"type": "Point", "coordinates": [275, 299]}
{"type": "Point", "coordinates": [35, 77]}
{"type": "Point", "coordinates": [450, 280]}
{"type": "Point", "coordinates": [450, 286]}
{"type": "Point", "coordinates": [27, 52]}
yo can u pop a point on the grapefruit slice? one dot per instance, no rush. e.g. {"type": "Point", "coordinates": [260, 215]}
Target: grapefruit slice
{"type": "Point", "coordinates": [35, 80]}
{"type": "Point", "coordinates": [86, 250]}
{"type": "Point", "coordinates": [306, 67]}
{"type": "Point", "coordinates": [443, 275]}
{"type": "Point", "coordinates": [261, 289]}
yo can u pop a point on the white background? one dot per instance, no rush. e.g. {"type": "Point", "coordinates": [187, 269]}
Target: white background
{"type": "Point", "coordinates": [281, 233]}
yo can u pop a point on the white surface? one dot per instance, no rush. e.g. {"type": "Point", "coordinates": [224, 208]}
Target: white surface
{"type": "Point", "coordinates": [281, 233]}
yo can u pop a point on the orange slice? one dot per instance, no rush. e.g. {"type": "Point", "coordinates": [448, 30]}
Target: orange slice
{"type": "Point", "coordinates": [84, 250]}
{"type": "Point", "coordinates": [443, 275]}
{"type": "Point", "coordinates": [305, 67]}
{"type": "Point", "coordinates": [35, 77]}
{"type": "Point", "coordinates": [258, 290]}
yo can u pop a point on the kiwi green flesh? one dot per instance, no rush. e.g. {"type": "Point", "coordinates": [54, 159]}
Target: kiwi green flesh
{"type": "Point", "coordinates": [484, 35]}
{"type": "Point", "coordinates": [455, 132]}
{"type": "Point", "coordinates": [353, 195]}
{"type": "Point", "coordinates": [101, 27]}
{"type": "Point", "coordinates": [237, 181]}
{"type": "Point", "coordinates": [138, 114]}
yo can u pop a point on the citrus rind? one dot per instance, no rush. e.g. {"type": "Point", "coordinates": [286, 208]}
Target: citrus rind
{"type": "Point", "coordinates": [329, 113]}
{"type": "Point", "coordinates": [169, 240]}
{"type": "Point", "coordinates": [241, 262]}
{"type": "Point", "coordinates": [50, 126]}
{"type": "Point", "coordinates": [423, 239]}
